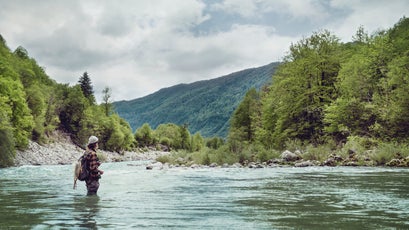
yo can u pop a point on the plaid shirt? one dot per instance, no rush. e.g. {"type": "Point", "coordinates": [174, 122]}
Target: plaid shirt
{"type": "Point", "coordinates": [93, 164]}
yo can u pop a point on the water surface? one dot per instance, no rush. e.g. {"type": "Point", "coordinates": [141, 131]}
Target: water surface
{"type": "Point", "coordinates": [130, 197]}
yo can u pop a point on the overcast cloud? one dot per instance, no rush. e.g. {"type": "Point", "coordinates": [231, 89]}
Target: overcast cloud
{"type": "Point", "coordinates": [139, 47]}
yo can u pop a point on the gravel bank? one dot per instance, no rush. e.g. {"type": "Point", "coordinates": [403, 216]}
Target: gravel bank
{"type": "Point", "coordinates": [63, 151]}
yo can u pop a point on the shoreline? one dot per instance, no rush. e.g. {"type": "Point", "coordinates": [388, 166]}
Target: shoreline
{"type": "Point", "coordinates": [62, 151]}
{"type": "Point", "coordinates": [66, 152]}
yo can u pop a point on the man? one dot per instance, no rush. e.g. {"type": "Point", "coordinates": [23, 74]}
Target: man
{"type": "Point", "coordinates": [93, 163]}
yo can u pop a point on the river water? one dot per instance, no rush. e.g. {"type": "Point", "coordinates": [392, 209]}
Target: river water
{"type": "Point", "coordinates": [131, 197]}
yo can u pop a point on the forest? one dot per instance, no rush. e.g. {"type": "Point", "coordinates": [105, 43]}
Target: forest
{"type": "Point", "coordinates": [326, 97]}
{"type": "Point", "coordinates": [32, 106]}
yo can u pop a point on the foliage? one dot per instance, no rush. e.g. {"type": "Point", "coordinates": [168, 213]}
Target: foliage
{"type": "Point", "coordinates": [206, 106]}
{"type": "Point", "coordinates": [7, 144]}
{"type": "Point", "coordinates": [244, 116]}
{"type": "Point", "coordinates": [214, 142]}
{"type": "Point", "coordinates": [15, 105]}
{"type": "Point", "coordinates": [106, 102]}
{"type": "Point", "coordinates": [144, 135]}
{"type": "Point", "coordinates": [169, 132]}
{"type": "Point", "coordinates": [197, 142]}
{"type": "Point", "coordinates": [32, 106]}
{"type": "Point", "coordinates": [331, 97]}
{"type": "Point", "coordinates": [302, 87]}
{"type": "Point", "coordinates": [317, 153]}
{"type": "Point", "coordinates": [326, 97]}
{"type": "Point", "coordinates": [86, 87]}
{"type": "Point", "coordinates": [387, 151]}
{"type": "Point", "coordinates": [164, 159]}
{"type": "Point", "coordinates": [119, 137]}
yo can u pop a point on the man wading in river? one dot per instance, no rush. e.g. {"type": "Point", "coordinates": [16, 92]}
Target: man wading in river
{"type": "Point", "coordinates": [93, 163]}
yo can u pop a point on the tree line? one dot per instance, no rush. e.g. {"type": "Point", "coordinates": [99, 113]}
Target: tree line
{"type": "Point", "coordinates": [33, 106]}
{"type": "Point", "coordinates": [326, 96]}
{"type": "Point", "coordinates": [333, 94]}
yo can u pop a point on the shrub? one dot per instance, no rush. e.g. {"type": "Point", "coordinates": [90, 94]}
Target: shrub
{"type": "Point", "coordinates": [293, 145]}
{"type": "Point", "coordinates": [356, 144]}
{"type": "Point", "coordinates": [163, 159]}
{"type": "Point", "coordinates": [319, 153]}
{"type": "Point", "coordinates": [264, 154]}
{"type": "Point", "coordinates": [223, 156]}
{"type": "Point", "coordinates": [388, 151]}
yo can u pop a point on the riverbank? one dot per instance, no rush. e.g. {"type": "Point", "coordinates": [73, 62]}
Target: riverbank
{"type": "Point", "coordinates": [62, 151]}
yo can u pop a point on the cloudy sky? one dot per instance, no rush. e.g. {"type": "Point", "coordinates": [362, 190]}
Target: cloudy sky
{"type": "Point", "coordinates": [137, 47]}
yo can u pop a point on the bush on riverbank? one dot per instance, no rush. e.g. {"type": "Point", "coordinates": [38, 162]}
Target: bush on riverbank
{"type": "Point", "coordinates": [355, 152]}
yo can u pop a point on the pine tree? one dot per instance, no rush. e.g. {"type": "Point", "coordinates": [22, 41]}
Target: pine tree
{"type": "Point", "coordinates": [86, 87]}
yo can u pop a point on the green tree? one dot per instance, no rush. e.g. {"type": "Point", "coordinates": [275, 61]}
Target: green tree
{"type": "Point", "coordinates": [72, 110]}
{"type": "Point", "coordinates": [144, 135]}
{"type": "Point", "coordinates": [21, 52]}
{"type": "Point", "coordinates": [184, 137]}
{"type": "Point", "coordinates": [303, 85]}
{"type": "Point", "coordinates": [120, 137]}
{"type": "Point", "coordinates": [169, 133]}
{"type": "Point", "coordinates": [7, 145]}
{"type": "Point", "coordinates": [353, 113]}
{"type": "Point", "coordinates": [106, 103]}
{"type": "Point", "coordinates": [245, 117]}
{"type": "Point", "coordinates": [392, 99]}
{"type": "Point", "coordinates": [36, 103]}
{"type": "Point", "coordinates": [86, 87]}
{"type": "Point", "coordinates": [214, 142]}
{"type": "Point", "coordinates": [13, 94]}
{"type": "Point", "coordinates": [197, 142]}
{"type": "Point", "coordinates": [51, 120]}
{"type": "Point", "coordinates": [397, 108]}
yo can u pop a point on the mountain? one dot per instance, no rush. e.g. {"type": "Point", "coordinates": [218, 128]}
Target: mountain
{"type": "Point", "coordinates": [205, 106]}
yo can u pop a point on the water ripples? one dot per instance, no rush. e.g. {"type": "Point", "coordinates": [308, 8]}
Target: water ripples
{"type": "Point", "coordinates": [130, 197]}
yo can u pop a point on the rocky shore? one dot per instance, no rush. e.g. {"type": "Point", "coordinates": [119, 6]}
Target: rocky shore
{"type": "Point", "coordinates": [290, 159]}
{"type": "Point", "coordinates": [61, 150]}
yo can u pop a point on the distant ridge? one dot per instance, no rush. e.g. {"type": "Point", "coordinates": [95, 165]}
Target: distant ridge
{"type": "Point", "coordinates": [205, 106]}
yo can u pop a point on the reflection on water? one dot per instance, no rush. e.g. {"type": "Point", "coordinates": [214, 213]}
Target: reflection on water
{"type": "Point", "coordinates": [130, 197]}
{"type": "Point", "coordinates": [86, 209]}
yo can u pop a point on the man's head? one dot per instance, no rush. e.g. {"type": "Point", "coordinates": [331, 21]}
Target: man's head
{"type": "Point", "coordinates": [92, 143]}
{"type": "Point", "coordinates": [92, 140]}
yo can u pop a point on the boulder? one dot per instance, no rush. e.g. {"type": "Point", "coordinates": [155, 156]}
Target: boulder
{"type": "Point", "coordinates": [253, 165]}
{"type": "Point", "coordinates": [350, 163]}
{"type": "Point", "coordinates": [304, 164]}
{"type": "Point", "coordinates": [394, 163]}
{"type": "Point", "coordinates": [289, 156]}
{"type": "Point", "coordinates": [236, 165]}
{"type": "Point", "coordinates": [333, 160]}
{"type": "Point", "coordinates": [156, 165]}
{"type": "Point", "coordinates": [329, 162]}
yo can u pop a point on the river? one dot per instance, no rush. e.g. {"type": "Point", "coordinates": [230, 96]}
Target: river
{"type": "Point", "coordinates": [131, 197]}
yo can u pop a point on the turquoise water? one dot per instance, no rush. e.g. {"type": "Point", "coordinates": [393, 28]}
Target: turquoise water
{"type": "Point", "coordinates": [130, 197]}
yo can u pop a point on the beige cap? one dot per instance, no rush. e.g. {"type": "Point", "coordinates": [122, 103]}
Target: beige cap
{"type": "Point", "coordinates": [92, 140]}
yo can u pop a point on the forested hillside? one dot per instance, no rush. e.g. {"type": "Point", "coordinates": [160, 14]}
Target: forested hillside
{"type": "Point", "coordinates": [204, 106]}
{"type": "Point", "coordinates": [332, 97]}
{"type": "Point", "coordinates": [328, 100]}
{"type": "Point", "coordinates": [32, 106]}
